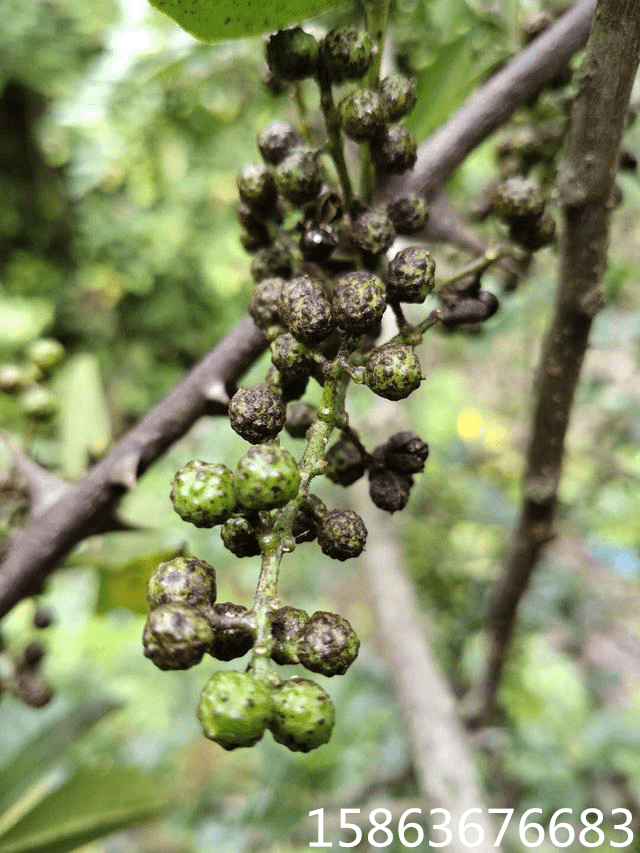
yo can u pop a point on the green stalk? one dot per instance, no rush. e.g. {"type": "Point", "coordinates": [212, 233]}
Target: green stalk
{"type": "Point", "coordinates": [377, 14]}
{"type": "Point", "coordinates": [332, 123]}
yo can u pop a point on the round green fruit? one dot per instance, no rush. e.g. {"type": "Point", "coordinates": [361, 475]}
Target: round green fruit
{"type": "Point", "coordinates": [46, 353]}
{"type": "Point", "coordinates": [202, 493]}
{"type": "Point", "coordinates": [266, 478]}
{"type": "Point", "coordinates": [361, 115]}
{"type": "Point", "coordinates": [398, 95]}
{"type": "Point", "coordinates": [346, 53]}
{"type": "Point", "coordinates": [393, 371]}
{"type": "Point", "coordinates": [235, 709]}
{"type": "Point", "coordinates": [183, 580]}
{"type": "Point", "coordinates": [287, 625]}
{"type": "Point", "coordinates": [303, 715]}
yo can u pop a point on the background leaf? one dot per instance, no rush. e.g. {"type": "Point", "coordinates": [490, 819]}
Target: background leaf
{"type": "Point", "coordinates": [86, 425]}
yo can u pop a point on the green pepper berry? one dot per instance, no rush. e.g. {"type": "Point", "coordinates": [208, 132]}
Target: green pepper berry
{"type": "Point", "coordinates": [359, 301]}
{"type": "Point", "coordinates": [202, 493]}
{"type": "Point", "coordinates": [342, 534]}
{"type": "Point", "coordinates": [305, 309]}
{"type": "Point", "coordinates": [395, 151]}
{"type": "Point", "coordinates": [183, 580]}
{"type": "Point", "coordinates": [299, 176]}
{"type": "Point", "coordinates": [345, 462]}
{"type": "Point", "coordinates": [346, 53]}
{"type": "Point", "coordinates": [266, 478]}
{"type": "Point", "coordinates": [299, 418]}
{"type": "Point", "coordinates": [277, 140]}
{"type": "Point", "coordinates": [264, 303]}
{"type": "Point", "coordinates": [235, 709]}
{"type": "Point", "coordinates": [398, 95]}
{"type": "Point", "coordinates": [408, 214]}
{"type": "Point", "coordinates": [303, 716]}
{"type": "Point", "coordinates": [292, 54]}
{"type": "Point", "coordinates": [12, 378]}
{"type": "Point", "coordinates": [410, 275]}
{"type": "Point", "coordinates": [389, 490]}
{"type": "Point", "coordinates": [256, 187]}
{"type": "Point", "coordinates": [46, 353]}
{"type": "Point", "coordinates": [232, 638]}
{"type": "Point", "coordinates": [256, 414]}
{"type": "Point", "coordinates": [328, 645]}
{"type": "Point", "coordinates": [239, 537]}
{"type": "Point", "coordinates": [272, 261]}
{"type": "Point", "coordinates": [518, 198]}
{"type": "Point", "coordinates": [292, 358]}
{"type": "Point", "coordinates": [393, 371]}
{"type": "Point", "coordinates": [39, 403]}
{"type": "Point", "coordinates": [373, 232]}
{"type": "Point", "coordinates": [287, 625]}
{"type": "Point", "coordinates": [362, 114]}
{"type": "Point", "coordinates": [176, 636]}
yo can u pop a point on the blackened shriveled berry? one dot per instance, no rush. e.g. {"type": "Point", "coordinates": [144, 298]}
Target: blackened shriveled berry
{"type": "Point", "coordinates": [405, 453]}
{"type": "Point", "coordinates": [398, 95]}
{"type": "Point", "coordinates": [305, 309]}
{"type": "Point", "coordinates": [359, 301]}
{"type": "Point", "coordinates": [264, 302]}
{"type": "Point", "coordinates": [317, 243]}
{"type": "Point", "coordinates": [362, 114]}
{"type": "Point", "coordinates": [307, 519]}
{"type": "Point", "coordinates": [471, 310]}
{"type": "Point", "coordinates": [277, 140]}
{"type": "Point", "coordinates": [329, 645]}
{"type": "Point", "coordinates": [533, 232]}
{"type": "Point", "coordinates": [231, 638]}
{"type": "Point", "coordinates": [346, 53]}
{"type": "Point", "coordinates": [410, 276]}
{"type": "Point", "coordinates": [239, 537]}
{"type": "Point", "coordinates": [176, 637]}
{"type": "Point", "coordinates": [292, 358]}
{"type": "Point", "coordinates": [32, 655]}
{"type": "Point", "coordinates": [342, 534]}
{"type": "Point", "coordinates": [287, 626]}
{"type": "Point", "coordinates": [389, 490]}
{"type": "Point", "coordinates": [299, 177]}
{"type": "Point", "coordinates": [393, 371]}
{"type": "Point", "coordinates": [299, 418]}
{"type": "Point", "coordinates": [183, 580]}
{"type": "Point", "coordinates": [396, 150]}
{"type": "Point", "coordinates": [345, 462]}
{"type": "Point", "coordinates": [256, 414]}
{"type": "Point", "coordinates": [373, 232]}
{"type": "Point", "coordinates": [292, 54]}
{"type": "Point", "coordinates": [32, 689]}
{"type": "Point", "coordinates": [289, 388]}
{"type": "Point", "coordinates": [408, 214]}
{"type": "Point", "coordinates": [256, 187]}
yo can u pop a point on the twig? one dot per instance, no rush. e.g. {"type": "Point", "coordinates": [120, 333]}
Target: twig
{"type": "Point", "coordinates": [586, 182]}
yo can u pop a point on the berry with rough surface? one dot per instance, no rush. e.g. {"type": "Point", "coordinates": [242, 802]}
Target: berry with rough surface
{"type": "Point", "coordinates": [272, 261]}
{"type": "Point", "coordinates": [287, 625]}
{"type": "Point", "coordinates": [266, 478]}
{"type": "Point", "coordinates": [235, 709]}
{"type": "Point", "coordinates": [346, 53]}
{"type": "Point", "coordinates": [398, 95]}
{"type": "Point", "coordinates": [405, 453]}
{"type": "Point", "coordinates": [342, 534]}
{"type": "Point", "coordinates": [292, 358]}
{"type": "Point", "coordinates": [231, 638]}
{"type": "Point", "coordinates": [408, 213]}
{"type": "Point", "coordinates": [373, 232]}
{"type": "Point", "coordinates": [183, 580]}
{"type": "Point", "coordinates": [264, 303]}
{"type": "Point", "coordinates": [345, 462]}
{"type": "Point", "coordinates": [518, 198]}
{"type": "Point", "coordinates": [359, 301]}
{"type": "Point", "coordinates": [329, 645]}
{"type": "Point", "coordinates": [202, 493]}
{"type": "Point", "coordinates": [393, 371]}
{"type": "Point", "coordinates": [305, 309]}
{"type": "Point", "coordinates": [396, 150]}
{"type": "Point", "coordinates": [362, 114]}
{"type": "Point", "coordinates": [256, 187]}
{"type": "Point", "coordinates": [289, 388]}
{"type": "Point", "coordinates": [292, 54]}
{"type": "Point", "coordinates": [303, 716]}
{"type": "Point", "coordinates": [176, 636]}
{"type": "Point", "coordinates": [410, 275]}
{"type": "Point", "coordinates": [389, 490]}
{"type": "Point", "coordinates": [299, 176]}
{"type": "Point", "coordinates": [239, 537]}
{"type": "Point", "coordinates": [256, 414]}
{"type": "Point", "coordinates": [277, 140]}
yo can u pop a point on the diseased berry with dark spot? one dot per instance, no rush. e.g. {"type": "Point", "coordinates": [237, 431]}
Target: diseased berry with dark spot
{"type": "Point", "coordinates": [305, 309]}
{"type": "Point", "coordinates": [395, 151]}
{"type": "Point", "coordinates": [410, 275]}
{"type": "Point", "coordinates": [405, 453]}
{"type": "Point", "coordinates": [518, 198]}
{"type": "Point", "coordinates": [256, 187]}
{"type": "Point", "coordinates": [287, 625]}
{"type": "Point", "coordinates": [239, 537]}
{"type": "Point", "coordinates": [389, 490]}
{"type": "Point", "coordinates": [277, 140]}
{"type": "Point", "coordinates": [266, 478]}
{"type": "Point", "coordinates": [235, 709]}
{"type": "Point", "coordinates": [398, 95]}
{"type": "Point", "coordinates": [231, 638]}
{"type": "Point", "coordinates": [288, 388]}
{"type": "Point", "coordinates": [345, 462]}
{"type": "Point", "coordinates": [176, 636]}
{"type": "Point", "coordinates": [299, 176]}
{"type": "Point", "coordinates": [317, 243]}
{"type": "Point", "coordinates": [359, 301]}
{"type": "Point", "coordinates": [273, 261]}
{"type": "Point", "coordinates": [292, 54]}
{"type": "Point", "coordinates": [183, 580]}
{"type": "Point", "coordinates": [342, 534]}
{"type": "Point", "coordinates": [307, 519]}
{"type": "Point", "coordinates": [299, 418]}
{"type": "Point", "coordinates": [471, 310]}
{"type": "Point", "coordinates": [328, 645]}
{"type": "Point", "coordinates": [303, 715]}
{"type": "Point", "coordinates": [256, 414]}
{"type": "Point", "coordinates": [393, 371]}
{"type": "Point", "coordinates": [361, 114]}
{"type": "Point", "coordinates": [409, 214]}
{"type": "Point", "coordinates": [292, 358]}
{"type": "Point", "coordinates": [346, 53]}
{"type": "Point", "coordinates": [202, 493]}
{"type": "Point", "coordinates": [264, 302]}
{"type": "Point", "coordinates": [373, 231]}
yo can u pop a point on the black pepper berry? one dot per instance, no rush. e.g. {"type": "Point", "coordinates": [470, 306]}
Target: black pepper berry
{"type": "Point", "coordinates": [398, 95]}
{"type": "Point", "coordinates": [256, 187]}
{"type": "Point", "coordinates": [393, 371]}
{"type": "Point", "coordinates": [345, 462]}
{"type": "Point", "coordinates": [202, 493]}
{"type": "Point", "coordinates": [410, 275]}
{"type": "Point", "coordinates": [299, 177]}
{"type": "Point", "coordinates": [289, 388]}
{"type": "Point", "coordinates": [303, 715]}
{"type": "Point", "coordinates": [328, 645]}
{"type": "Point", "coordinates": [389, 490]}
{"type": "Point", "coordinates": [292, 54]}
{"type": "Point", "coordinates": [305, 309]}
{"type": "Point", "coordinates": [518, 198]}
{"type": "Point", "coordinates": [405, 453]}
{"type": "Point", "coordinates": [256, 414]}
{"type": "Point", "coordinates": [239, 537]}
{"type": "Point", "coordinates": [287, 625]}
{"type": "Point", "coordinates": [307, 519]}
{"type": "Point", "coordinates": [471, 310]}
{"type": "Point", "coordinates": [273, 261]}
{"type": "Point", "coordinates": [373, 232]}
{"type": "Point", "coordinates": [176, 636]}
{"type": "Point", "coordinates": [533, 232]}
{"type": "Point", "coordinates": [277, 140]}
{"type": "Point", "coordinates": [317, 243]}
{"type": "Point", "coordinates": [342, 534]}
{"type": "Point", "coordinates": [359, 301]}
{"type": "Point", "coordinates": [396, 150]}
{"type": "Point", "coordinates": [231, 638]}
{"type": "Point", "coordinates": [292, 358]}
{"type": "Point", "coordinates": [299, 418]}
{"type": "Point", "coordinates": [183, 580]}
{"type": "Point", "coordinates": [264, 302]}
{"type": "Point", "coordinates": [346, 53]}
{"type": "Point", "coordinates": [409, 214]}
{"type": "Point", "coordinates": [362, 114]}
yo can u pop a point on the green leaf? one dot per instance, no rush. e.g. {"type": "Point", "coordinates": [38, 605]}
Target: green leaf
{"type": "Point", "coordinates": [22, 320]}
{"type": "Point", "coordinates": [126, 586]}
{"type": "Point", "coordinates": [91, 804]}
{"type": "Point", "coordinates": [86, 426]}
{"type": "Point", "coordinates": [216, 20]}
{"type": "Point", "coordinates": [42, 751]}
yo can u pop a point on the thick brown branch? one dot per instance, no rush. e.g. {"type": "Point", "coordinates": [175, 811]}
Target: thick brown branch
{"type": "Point", "coordinates": [81, 509]}
{"type": "Point", "coordinates": [586, 182]}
